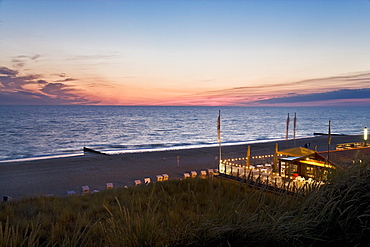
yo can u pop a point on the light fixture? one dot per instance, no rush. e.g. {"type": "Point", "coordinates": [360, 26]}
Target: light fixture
{"type": "Point", "coordinates": [365, 135]}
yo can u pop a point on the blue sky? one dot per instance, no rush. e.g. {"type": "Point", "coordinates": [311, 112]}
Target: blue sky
{"type": "Point", "coordinates": [182, 52]}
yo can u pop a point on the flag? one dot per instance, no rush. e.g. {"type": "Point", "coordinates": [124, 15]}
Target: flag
{"type": "Point", "coordinates": [294, 127]}
{"type": "Point", "coordinates": [219, 126]}
{"type": "Point", "coordinates": [329, 135]}
{"type": "Point", "coordinates": [287, 128]}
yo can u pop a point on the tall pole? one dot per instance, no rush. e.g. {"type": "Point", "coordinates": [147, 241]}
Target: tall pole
{"type": "Point", "coordinates": [287, 130]}
{"type": "Point", "coordinates": [276, 157]}
{"type": "Point", "coordinates": [219, 137]}
{"type": "Point", "coordinates": [294, 127]}
{"type": "Point", "coordinates": [329, 141]}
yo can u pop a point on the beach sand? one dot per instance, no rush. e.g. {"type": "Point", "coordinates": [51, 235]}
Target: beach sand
{"type": "Point", "coordinates": [59, 175]}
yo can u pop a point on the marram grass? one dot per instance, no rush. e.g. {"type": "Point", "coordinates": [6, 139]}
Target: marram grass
{"type": "Point", "coordinates": [196, 212]}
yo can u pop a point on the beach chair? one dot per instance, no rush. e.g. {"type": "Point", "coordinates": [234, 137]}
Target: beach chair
{"type": "Point", "coordinates": [186, 175]}
{"type": "Point", "coordinates": [265, 177]}
{"type": "Point", "coordinates": [278, 181]}
{"type": "Point", "coordinates": [146, 181]}
{"type": "Point", "coordinates": [216, 172]}
{"type": "Point", "coordinates": [240, 172]}
{"type": "Point", "coordinates": [159, 178]}
{"type": "Point", "coordinates": [210, 172]}
{"type": "Point", "coordinates": [255, 174]}
{"type": "Point", "coordinates": [203, 174]}
{"type": "Point", "coordinates": [193, 174]}
{"type": "Point", "coordinates": [268, 167]}
{"type": "Point", "coordinates": [6, 198]}
{"type": "Point", "coordinates": [109, 186]}
{"type": "Point", "coordinates": [165, 177]}
{"type": "Point", "coordinates": [71, 192]}
{"type": "Point", "coordinates": [300, 181]}
{"type": "Point", "coordinates": [85, 190]}
{"type": "Point", "coordinates": [137, 182]}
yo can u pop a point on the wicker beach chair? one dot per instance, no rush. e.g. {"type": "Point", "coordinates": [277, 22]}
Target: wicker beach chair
{"type": "Point", "coordinates": [71, 192]}
{"type": "Point", "coordinates": [85, 190]}
{"type": "Point", "coordinates": [109, 186]}
{"type": "Point", "coordinates": [203, 174]}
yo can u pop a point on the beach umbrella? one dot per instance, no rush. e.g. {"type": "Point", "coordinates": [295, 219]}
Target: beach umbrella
{"type": "Point", "coordinates": [329, 141]}
{"type": "Point", "coordinates": [248, 160]}
{"type": "Point", "coordinates": [276, 156]}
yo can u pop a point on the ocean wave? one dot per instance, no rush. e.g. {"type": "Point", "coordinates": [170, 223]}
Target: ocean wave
{"type": "Point", "coordinates": [41, 132]}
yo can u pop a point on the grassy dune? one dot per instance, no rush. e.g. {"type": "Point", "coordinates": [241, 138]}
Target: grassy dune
{"type": "Point", "coordinates": [196, 212]}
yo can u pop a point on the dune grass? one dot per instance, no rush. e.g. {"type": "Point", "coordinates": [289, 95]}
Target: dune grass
{"type": "Point", "coordinates": [196, 212]}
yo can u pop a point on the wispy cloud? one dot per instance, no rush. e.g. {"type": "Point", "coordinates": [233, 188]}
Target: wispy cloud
{"type": "Point", "coordinates": [344, 94]}
{"type": "Point", "coordinates": [317, 89]}
{"type": "Point", "coordinates": [20, 61]}
{"type": "Point", "coordinates": [93, 57]}
{"type": "Point", "coordinates": [7, 72]}
{"type": "Point", "coordinates": [58, 89]}
{"type": "Point", "coordinates": [14, 89]}
{"type": "Point", "coordinates": [11, 80]}
{"type": "Point", "coordinates": [66, 80]}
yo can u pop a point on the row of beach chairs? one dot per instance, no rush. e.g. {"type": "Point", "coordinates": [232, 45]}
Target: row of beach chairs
{"type": "Point", "coordinates": [86, 189]}
{"type": "Point", "coordinates": [202, 174]}
{"type": "Point", "coordinates": [192, 174]}
{"type": "Point", "coordinates": [161, 177]}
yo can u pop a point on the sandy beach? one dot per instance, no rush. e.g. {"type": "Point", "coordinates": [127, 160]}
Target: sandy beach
{"type": "Point", "coordinates": [59, 175]}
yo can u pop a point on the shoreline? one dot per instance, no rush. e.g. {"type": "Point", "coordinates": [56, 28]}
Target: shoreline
{"type": "Point", "coordinates": [25, 179]}
{"type": "Point", "coordinates": [144, 150]}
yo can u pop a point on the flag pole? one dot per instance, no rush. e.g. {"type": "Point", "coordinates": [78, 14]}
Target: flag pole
{"type": "Point", "coordinates": [276, 158]}
{"type": "Point", "coordinates": [219, 138]}
{"type": "Point", "coordinates": [329, 141]}
{"type": "Point", "coordinates": [287, 131]}
{"type": "Point", "coordinates": [294, 127]}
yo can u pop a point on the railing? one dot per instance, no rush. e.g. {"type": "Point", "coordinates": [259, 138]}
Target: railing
{"type": "Point", "coordinates": [350, 145]}
{"type": "Point", "coordinates": [263, 177]}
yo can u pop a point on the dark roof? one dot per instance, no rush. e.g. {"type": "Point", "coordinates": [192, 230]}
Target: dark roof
{"type": "Point", "coordinates": [347, 156]}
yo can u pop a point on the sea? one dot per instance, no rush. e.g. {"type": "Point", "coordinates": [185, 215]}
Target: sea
{"type": "Point", "coordinates": [38, 132]}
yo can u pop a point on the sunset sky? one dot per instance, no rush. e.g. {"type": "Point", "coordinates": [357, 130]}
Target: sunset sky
{"type": "Point", "coordinates": [185, 52]}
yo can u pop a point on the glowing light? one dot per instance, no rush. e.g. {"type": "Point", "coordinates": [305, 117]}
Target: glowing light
{"type": "Point", "coordinates": [365, 133]}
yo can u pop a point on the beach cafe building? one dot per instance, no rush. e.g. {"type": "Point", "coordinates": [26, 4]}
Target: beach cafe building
{"type": "Point", "coordinates": [295, 163]}
{"type": "Point", "coordinates": [305, 163]}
